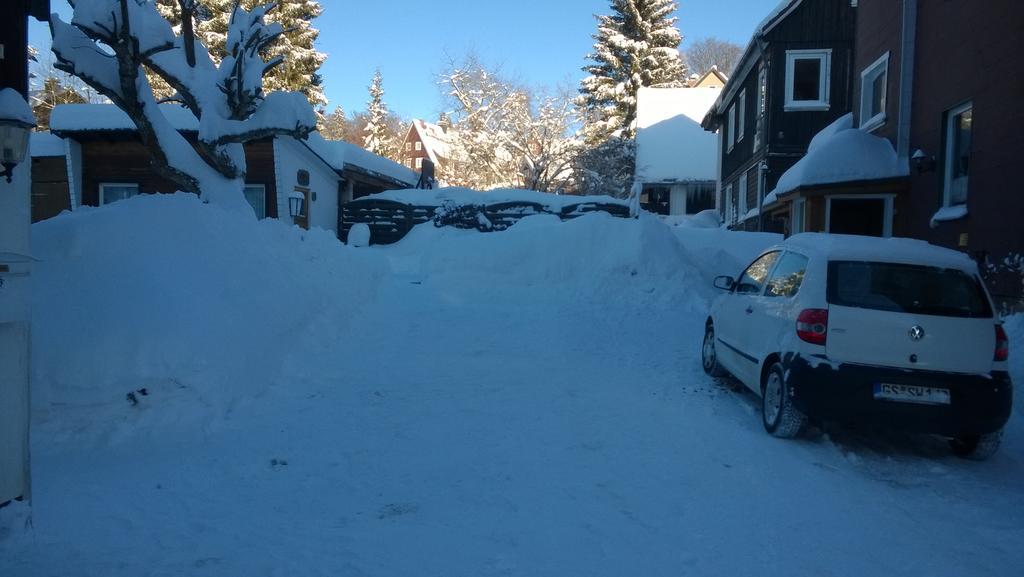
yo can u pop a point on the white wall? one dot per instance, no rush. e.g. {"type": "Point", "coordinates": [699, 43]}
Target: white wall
{"type": "Point", "coordinates": [15, 330]}
{"type": "Point", "coordinates": [290, 156]}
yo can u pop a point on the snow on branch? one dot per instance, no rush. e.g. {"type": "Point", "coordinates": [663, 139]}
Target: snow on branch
{"type": "Point", "coordinates": [109, 43]}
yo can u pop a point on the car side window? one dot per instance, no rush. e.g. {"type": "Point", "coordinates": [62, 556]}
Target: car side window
{"type": "Point", "coordinates": [788, 275]}
{"type": "Point", "coordinates": [752, 279]}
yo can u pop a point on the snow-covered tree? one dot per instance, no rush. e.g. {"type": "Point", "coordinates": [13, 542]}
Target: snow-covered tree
{"type": "Point", "coordinates": [444, 121]}
{"type": "Point", "coordinates": [53, 93]}
{"type": "Point", "coordinates": [377, 138]}
{"type": "Point", "coordinates": [503, 135]}
{"type": "Point", "coordinates": [636, 46]}
{"type": "Point", "coordinates": [109, 42]}
{"type": "Point", "coordinates": [297, 73]}
{"type": "Point", "coordinates": [334, 125]}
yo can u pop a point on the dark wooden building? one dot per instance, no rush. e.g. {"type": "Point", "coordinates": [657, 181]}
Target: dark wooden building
{"type": "Point", "coordinates": [792, 80]}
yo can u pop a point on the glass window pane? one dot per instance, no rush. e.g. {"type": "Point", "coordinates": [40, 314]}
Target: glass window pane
{"type": "Point", "coordinates": [807, 79]}
{"type": "Point", "coordinates": [116, 192]}
{"type": "Point", "coordinates": [906, 288]}
{"type": "Point", "coordinates": [256, 197]}
{"type": "Point", "coordinates": [962, 145]}
{"type": "Point", "coordinates": [878, 94]}
{"type": "Point", "coordinates": [787, 277]}
{"type": "Point", "coordinates": [752, 279]}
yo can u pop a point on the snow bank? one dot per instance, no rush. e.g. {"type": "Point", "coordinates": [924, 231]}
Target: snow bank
{"type": "Point", "coordinates": [596, 256]}
{"type": "Point", "coordinates": [463, 196]}
{"type": "Point", "coordinates": [841, 153]}
{"type": "Point", "coordinates": [718, 251]}
{"type": "Point", "coordinates": [165, 293]}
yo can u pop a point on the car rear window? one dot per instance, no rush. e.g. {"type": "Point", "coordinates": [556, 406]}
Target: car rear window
{"type": "Point", "coordinates": [906, 288]}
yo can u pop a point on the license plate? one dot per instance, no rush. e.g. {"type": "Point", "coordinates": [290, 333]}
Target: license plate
{"type": "Point", "coordinates": [911, 394]}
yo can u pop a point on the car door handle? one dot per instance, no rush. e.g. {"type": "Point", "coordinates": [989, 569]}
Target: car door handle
{"type": "Point", "coordinates": [750, 310]}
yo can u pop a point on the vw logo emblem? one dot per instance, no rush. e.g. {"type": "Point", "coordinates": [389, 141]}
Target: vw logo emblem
{"type": "Point", "coordinates": [916, 333]}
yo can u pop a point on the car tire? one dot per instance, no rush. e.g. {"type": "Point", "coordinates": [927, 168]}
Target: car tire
{"type": "Point", "coordinates": [977, 447]}
{"type": "Point", "coordinates": [709, 354]}
{"type": "Point", "coordinates": [781, 419]}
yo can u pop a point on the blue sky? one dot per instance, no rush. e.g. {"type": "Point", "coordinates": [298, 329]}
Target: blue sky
{"type": "Point", "coordinates": [538, 42]}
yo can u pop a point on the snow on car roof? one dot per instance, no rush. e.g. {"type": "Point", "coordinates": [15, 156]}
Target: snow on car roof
{"type": "Point", "coordinates": [869, 248]}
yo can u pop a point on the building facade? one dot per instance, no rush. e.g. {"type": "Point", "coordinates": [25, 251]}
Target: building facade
{"type": "Point", "coordinates": [792, 80]}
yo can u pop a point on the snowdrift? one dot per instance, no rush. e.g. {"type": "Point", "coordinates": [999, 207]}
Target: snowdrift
{"type": "Point", "coordinates": [163, 291]}
{"type": "Point", "coordinates": [596, 256]}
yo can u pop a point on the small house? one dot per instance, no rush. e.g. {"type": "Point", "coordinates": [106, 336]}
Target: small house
{"type": "Point", "coordinates": [104, 161]}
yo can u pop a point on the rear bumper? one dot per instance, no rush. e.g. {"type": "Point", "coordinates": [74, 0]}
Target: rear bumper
{"type": "Point", "coordinates": [845, 392]}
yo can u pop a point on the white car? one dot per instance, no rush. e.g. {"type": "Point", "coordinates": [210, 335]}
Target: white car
{"type": "Point", "coordinates": [847, 328]}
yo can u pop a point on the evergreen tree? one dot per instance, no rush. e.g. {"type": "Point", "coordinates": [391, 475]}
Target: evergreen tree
{"type": "Point", "coordinates": [334, 125]}
{"type": "Point", "coordinates": [636, 46]}
{"type": "Point", "coordinates": [297, 73]}
{"type": "Point", "coordinates": [377, 136]}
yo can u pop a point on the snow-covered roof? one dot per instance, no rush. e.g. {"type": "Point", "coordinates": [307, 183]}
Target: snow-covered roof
{"type": "Point", "coordinates": [898, 250]}
{"type": "Point", "coordinates": [435, 140]}
{"type": "Point", "coordinates": [671, 145]}
{"type": "Point", "coordinates": [463, 196]}
{"type": "Point", "coordinates": [14, 107]}
{"type": "Point", "coordinates": [841, 153]}
{"type": "Point", "coordinates": [46, 144]}
{"type": "Point", "coordinates": [103, 117]}
{"type": "Point", "coordinates": [341, 155]}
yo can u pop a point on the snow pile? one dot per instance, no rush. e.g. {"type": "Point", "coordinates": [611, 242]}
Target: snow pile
{"type": "Point", "coordinates": [840, 153]}
{"type": "Point", "coordinates": [719, 251]}
{"type": "Point", "coordinates": [468, 196]}
{"type": "Point", "coordinates": [710, 218]}
{"type": "Point", "coordinates": [165, 293]}
{"type": "Point", "coordinates": [596, 256]}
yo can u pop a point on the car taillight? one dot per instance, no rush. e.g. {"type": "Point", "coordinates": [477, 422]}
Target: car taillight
{"type": "Point", "coordinates": [1002, 344]}
{"type": "Point", "coordinates": [812, 326]}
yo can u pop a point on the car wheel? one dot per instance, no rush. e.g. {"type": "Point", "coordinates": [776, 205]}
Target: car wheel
{"type": "Point", "coordinates": [709, 354]}
{"type": "Point", "coordinates": [977, 447]}
{"type": "Point", "coordinates": [781, 419]}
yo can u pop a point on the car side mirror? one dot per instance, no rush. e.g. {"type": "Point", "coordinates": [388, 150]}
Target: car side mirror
{"type": "Point", "coordinates": [724, 282]}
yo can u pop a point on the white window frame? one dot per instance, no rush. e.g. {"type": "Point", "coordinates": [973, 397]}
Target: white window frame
{"type": "Point", "coordinates": [947, 177]}
{"type": "Point", "coordinates": [261, 213]}
{"type": "Point", "coordinates": [732, 127]}
{"type": "Point", "coordinates": [408, 146]}
{"type": "Point", "coordinates": [419, 146]}
{"type": "Point", "coordinates": [419, 163]}
{"type": "Point", "coordinates": [741, 197]}
{"type": "Point", "coordinates": [886, 215]}
{"type": "Point", "coordinates": [877, 68]}
{"type": "Point", "coordinates": [824, 76]}
{"type": "Point", "coordinates": [798, 217]}
{"type": "Point", "coordinates": [104, 185]}
{"type": "Point", "coordinates": [740, 124]}
{"type": "Point", "coordinates": [730, 212]}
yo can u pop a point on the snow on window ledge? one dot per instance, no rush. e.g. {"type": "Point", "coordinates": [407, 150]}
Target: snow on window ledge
{"type": "Point", "coordinates": [948, 213]}
{"type": "Point", "coordinates": [874, 123]}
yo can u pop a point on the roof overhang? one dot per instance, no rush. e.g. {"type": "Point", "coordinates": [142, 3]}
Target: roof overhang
{"type": "Point", "coordinates": [894, 185]}
{"type": "Point", "coordinates": [39, 9]}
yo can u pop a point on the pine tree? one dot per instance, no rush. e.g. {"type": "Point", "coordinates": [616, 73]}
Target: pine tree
{"type": "Point", "coordinates": [377, 137]}
{"type": "Point", "coordinates": [636, 46]}
{"type": "Point", "coordinates": [297, 73]}
{"type": "Point", "coordinates": [334, 125]}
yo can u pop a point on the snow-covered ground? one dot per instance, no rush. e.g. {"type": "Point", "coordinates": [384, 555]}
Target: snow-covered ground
{"type": "Point", "coordinates": [527, 402]}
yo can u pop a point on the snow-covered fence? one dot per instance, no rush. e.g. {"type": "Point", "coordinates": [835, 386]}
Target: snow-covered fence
{"type": "Point", "coordinates": [390, 221]}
